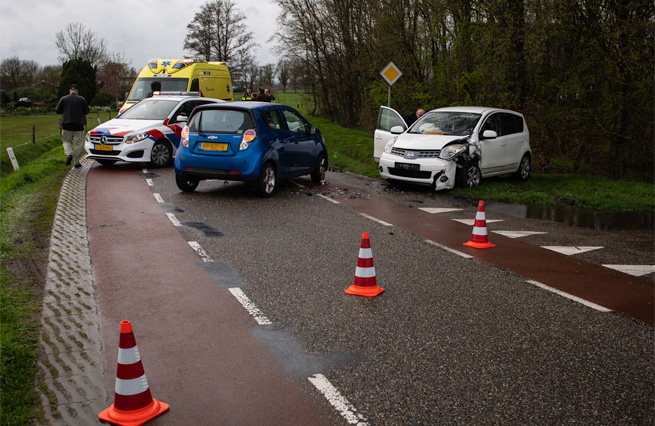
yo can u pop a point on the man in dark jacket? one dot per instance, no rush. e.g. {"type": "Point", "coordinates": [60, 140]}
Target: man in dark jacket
{"type": "Point", "coordinates": [74, 109]}
{"type": "Point", "coordinates": [413, 116]}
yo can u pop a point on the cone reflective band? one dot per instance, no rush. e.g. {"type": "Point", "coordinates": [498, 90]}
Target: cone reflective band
{"type": "Point", "coordinates": [479, 236]}
{"type": "Point", "coordinates": [365, 283]}
{"type": "Point", "coordinates": [133, 404]}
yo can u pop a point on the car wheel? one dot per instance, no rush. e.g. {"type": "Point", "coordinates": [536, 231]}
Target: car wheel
{"type": "Point", "coordinates": [320, 168]}
{"type": "Point", "coordinates": [524, 168]}
{"type": "Point", "coordinates": [468, 176]}
{"type": "Point", "coordinates": [266, 181]}
{"type": "Point", "coordinates": [107, 162]}
{"type": "Point", "coordinates": [161, 154]}
{"type": "Point", "coordinates": [186, 183]}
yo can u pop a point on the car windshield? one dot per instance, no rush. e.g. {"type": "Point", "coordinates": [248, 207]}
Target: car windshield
{"type": "Point", "coordinates": [142, 87]}
{"type": "Point", "coordinates": [221, 121]}
{"type": "Point", "coordinates": [446, 123]}
{"type": "Point", "coordinates": [150, 109]}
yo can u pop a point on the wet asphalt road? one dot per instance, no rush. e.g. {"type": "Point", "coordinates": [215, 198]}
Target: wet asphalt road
{"type": "Point", "coordinates": [451, 340]}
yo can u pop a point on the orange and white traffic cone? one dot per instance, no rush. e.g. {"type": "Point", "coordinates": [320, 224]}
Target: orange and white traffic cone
{"type": "Point", "coordinates": [365, 283]}
{"type": "Point", "coordinates": [479, 238]}
{"type": "Point", "coordinates": [133, 404]}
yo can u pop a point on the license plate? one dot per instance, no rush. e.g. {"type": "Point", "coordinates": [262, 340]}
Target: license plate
{"type": "Point", "coordinates": [408, 166]}
{"type": "Point", "coordinates": [209, 146]}
{"type": "Point", "coordinates": [103, 147]}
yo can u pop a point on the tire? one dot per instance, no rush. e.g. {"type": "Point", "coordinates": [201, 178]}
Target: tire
{"type": "Point", "coordinates": [186, 183]}
{"type": "Point", "coordinates": [161, 154]}
{"type": "Point", "coordinates": [106, 162]}
{"type": "Point", "coordinates": [265, 184]}
{"type": "Point", "coordinates": [468, 176]}
{"type": "Point", "coordinates": [523, 173]}
{"type": "Point", "coordinates": [320, 168]}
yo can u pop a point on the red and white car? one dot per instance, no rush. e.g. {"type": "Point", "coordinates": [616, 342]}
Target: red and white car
{"type": "Point", "coordinates": [148, 132]}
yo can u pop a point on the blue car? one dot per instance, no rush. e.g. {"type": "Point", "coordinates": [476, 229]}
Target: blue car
{"type": "Point", "coordinates": [256, 142]}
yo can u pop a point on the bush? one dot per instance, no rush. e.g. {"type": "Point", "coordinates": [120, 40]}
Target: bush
{"type": "Point", "coordinates": [104, 99]}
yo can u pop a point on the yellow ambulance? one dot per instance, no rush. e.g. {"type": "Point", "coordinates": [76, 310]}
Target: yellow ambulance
{"type": "Point", "coordinates": [209, 79]}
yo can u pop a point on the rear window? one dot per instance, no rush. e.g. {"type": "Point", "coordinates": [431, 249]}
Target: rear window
{"type": "Point", "coordinates": [221, 121]}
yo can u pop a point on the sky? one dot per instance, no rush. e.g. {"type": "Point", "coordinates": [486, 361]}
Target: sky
{"type": "Point", "coordinates": [141, 29]}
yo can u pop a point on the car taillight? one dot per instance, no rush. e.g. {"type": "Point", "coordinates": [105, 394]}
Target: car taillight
{"type": "Point", "coordinates": [185, 136]}
{"type": "Point", "coordinates": [247, 138]}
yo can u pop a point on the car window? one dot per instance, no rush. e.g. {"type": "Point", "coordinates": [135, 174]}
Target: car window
{"type": "Point", "coordinates": [510, 123]}
{"type": "Point", "coordinates": [446, 123]}
{"type": "Point", "coordinates": [186, 108]}
{"type": "Point", "coordinates": [295, 122]}
{"type": "Point", "coordinates": [221, 121]}
{"type": "Point", "coordinates": [389, 118]}
{"type": "Point", "coordinates": [272, 119]}
{"type": "Point", "coordinates": [150, 109]}
{"type": "Point", "coordinates": [491, 123]}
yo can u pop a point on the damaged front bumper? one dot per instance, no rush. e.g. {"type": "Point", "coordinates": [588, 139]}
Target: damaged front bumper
{"type": "Point", "coordinates": [434, 171]}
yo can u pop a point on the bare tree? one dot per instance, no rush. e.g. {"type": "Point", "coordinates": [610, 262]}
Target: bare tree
{"type": "Point", "coordinates": [15, 72]}
{"type": "Point", "coordinates": [115, 74]}
{"type": "Point", "coordinates": [219, 33]}
{"type": "Point", "coordinates": [77, 43]}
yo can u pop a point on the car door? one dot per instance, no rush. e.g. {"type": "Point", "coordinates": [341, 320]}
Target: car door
{"type": "Point", "coordinates": [492, 150]}
{"type": "Point", "coordinates": [387, 118]}
{"type": "Point", "coordinates": [298, 152]}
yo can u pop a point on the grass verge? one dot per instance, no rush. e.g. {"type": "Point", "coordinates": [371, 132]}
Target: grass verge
{"type": "Point", "coordinates": [28, 201]}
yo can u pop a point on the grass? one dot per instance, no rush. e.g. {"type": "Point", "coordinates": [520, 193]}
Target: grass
{"type": "Point", "coordinates": [28, 201]}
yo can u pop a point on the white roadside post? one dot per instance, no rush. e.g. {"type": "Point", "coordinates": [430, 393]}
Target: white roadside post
{"type": "Point", "coordinates": [12, 157]}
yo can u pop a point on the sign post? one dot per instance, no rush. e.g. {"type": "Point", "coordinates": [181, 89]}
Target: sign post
{"type": "Point", "coordinates": [390, 73]}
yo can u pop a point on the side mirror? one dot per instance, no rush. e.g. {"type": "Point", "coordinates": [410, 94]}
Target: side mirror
{"type": "Point", "coordinates": [182, 118]}
{"type": "Point", "coordinates": [396, 130]}
{"type": "Point", "coordinates": [489, 134]}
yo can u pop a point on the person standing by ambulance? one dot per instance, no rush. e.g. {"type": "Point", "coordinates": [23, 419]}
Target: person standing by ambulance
{"type": "Point", "coordinates": [74, 109]}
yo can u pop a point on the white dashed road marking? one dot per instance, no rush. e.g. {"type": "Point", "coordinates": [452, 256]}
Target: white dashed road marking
{"type": "Point", "coordinates": [570, 296]}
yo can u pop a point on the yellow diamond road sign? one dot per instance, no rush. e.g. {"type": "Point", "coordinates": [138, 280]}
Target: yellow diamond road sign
{"type": "Point", "coordinates": [391, 73]}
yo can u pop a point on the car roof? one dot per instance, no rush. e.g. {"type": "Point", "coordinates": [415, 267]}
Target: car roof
{"type": "Point", "coordinates": [249, 105]}
{"type": "Point", "coordinates": [473, 109]}
{"type": "Point", "coordinates": [181, 98]}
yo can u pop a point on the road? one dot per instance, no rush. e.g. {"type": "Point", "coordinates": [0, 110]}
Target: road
{"type": "Point", "coordinates": [452, 340]}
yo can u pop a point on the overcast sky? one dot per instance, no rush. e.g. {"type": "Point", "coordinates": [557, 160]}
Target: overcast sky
{"type": "Point", "coordinates": [142, 29]}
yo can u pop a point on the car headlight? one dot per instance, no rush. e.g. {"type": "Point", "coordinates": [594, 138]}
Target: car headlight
{"type": "Point", "coordinates": [137, 137]}
{"type": "Point", "coordinates": [389, 145]}
{"type": "Point", "coordinates": [248, 137]}
{"type": "Point", "coordinates": [451, 151]}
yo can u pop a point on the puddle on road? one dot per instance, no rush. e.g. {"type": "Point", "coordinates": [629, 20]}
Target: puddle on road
{"type": "Point", "coordinates": [573, 216]}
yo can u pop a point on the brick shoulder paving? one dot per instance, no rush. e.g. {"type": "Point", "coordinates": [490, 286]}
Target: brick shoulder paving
{"type": "Point", "coordinates": [72, 360]}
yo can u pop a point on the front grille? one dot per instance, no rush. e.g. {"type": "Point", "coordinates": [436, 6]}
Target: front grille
{"type": "Point", "coordinates": [416, 174]}
{"type": "Point", "coordinates": [424, 153]}
{"type": "Point", "coordinates": [109, 140]}
{"type": "Point", "coordinates": [99, 152]}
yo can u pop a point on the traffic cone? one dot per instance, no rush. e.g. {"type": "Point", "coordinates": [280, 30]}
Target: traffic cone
{"type": "Point", "coordinates": [365, 283]}
{"type": "Point", "coordinates": [133, 404]}
{"type": "Point", "coordinates": [479, 238]}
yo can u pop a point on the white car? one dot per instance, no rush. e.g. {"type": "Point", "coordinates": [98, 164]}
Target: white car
{"type": "Point", "coordinates": [453, 146]}
{"type": "Point", "coordinates": [149, 131]}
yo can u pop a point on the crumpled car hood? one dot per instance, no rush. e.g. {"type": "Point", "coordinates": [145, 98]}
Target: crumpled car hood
{"type": "Point", "coordinates": [417, 141]}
